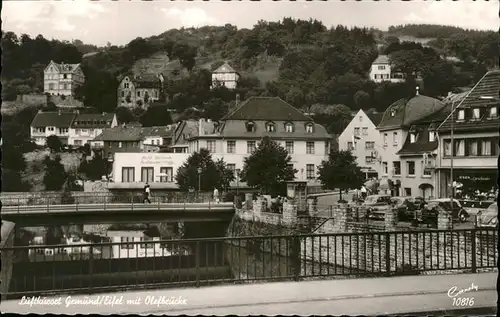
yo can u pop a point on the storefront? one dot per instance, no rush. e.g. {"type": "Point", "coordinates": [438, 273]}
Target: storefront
{"type": "Point", "coordinates": [470, 183]}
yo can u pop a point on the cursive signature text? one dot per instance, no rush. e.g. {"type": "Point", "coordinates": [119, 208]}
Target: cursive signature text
{"type": "Point", "coordinates": [455, 291]}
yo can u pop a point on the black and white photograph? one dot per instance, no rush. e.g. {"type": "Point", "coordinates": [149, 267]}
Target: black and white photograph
{"type": "Point", "coordinates": [250, 157]}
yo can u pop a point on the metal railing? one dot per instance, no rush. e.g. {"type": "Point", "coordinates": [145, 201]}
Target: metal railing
{"type": "Point", "coordinates": [92, 268]}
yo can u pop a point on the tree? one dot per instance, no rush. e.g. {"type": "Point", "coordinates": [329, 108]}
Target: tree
{"type": "Point", "coordinates": [361, 99]}
{"type": "Point", "coordinates": [54, 144]}
{"type": "Point", "coordinates": [95, 168]}
{"type": "Point", "coordinates": [12, 158]}
{"type": "Point", "coordinates": [268, 168]}
{"type": "Point", "coordinates": [334, 117]}
{"type": "Point", "coordinates": [226, 175]}
{"type": "Point", "coordinates": [212, 175]}
{"type": "Point", "coordinates": [12, 181]}
{"type": "Point", "coordinates": [215, 109]}
{"type": "Point", "coordinates": [124, 115]}
{"type": "Point", "coordinates": [157, 115]}
{"type": "Point", "coordinates": [55, 175]}
{"type": "Point", "coordinates": [340, 171]}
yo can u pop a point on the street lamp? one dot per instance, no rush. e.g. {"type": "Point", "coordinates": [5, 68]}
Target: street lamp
{"type": "Point", "coordinates": [199, 179]}
{"type": "Point", "coordinates": [237, 181]}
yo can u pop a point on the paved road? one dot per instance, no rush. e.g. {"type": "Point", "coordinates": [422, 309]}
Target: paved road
{"type": "Point", "coordinates": [369, 296]}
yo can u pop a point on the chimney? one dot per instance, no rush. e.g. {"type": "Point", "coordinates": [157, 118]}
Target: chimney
{"type": "Point", "coordinates": [417, 88]}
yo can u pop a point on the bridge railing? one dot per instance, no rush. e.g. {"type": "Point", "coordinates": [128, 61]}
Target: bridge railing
{"type": "Point", "coordinates": [90, 268]}
{"type": "Point", "coordinates": [102, 198]}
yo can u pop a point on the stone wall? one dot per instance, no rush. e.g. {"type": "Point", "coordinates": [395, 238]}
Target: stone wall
{"type": "Point", "coordinates": [8, 234]}
{"type": "Point", "coordinates": [33, 99]}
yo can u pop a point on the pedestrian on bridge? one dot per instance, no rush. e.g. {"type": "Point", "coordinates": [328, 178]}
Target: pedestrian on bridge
{"type": "Point", "coordinates": [147, 193]}
{"type": "Point", "coordinates": [216, 195]}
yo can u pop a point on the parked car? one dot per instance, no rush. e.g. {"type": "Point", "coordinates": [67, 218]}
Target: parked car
{"type": "Point", "coordinates": [407, 207]}
{"type": "Point", "coordinates": [488, 218]}
{"type": "Point", "coordinates": [429, 214]}
{"type": "Point", "coordinates": [375, 206]}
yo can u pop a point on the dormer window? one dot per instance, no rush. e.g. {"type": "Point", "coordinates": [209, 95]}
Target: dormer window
{"type": "Point", "coordinates": [461, 114]}
{"type": "Point", "coordinates": [393, 113]}
{"type": "Point", "coordinates": [476, 114]}
{"type": "Point", "coordinates": [288, 127]}
{"type": "Point", "coordinates": [493, 112]}
{"type": "Point", "coordinates": [432, 136]}
{"type": "Point", "coordinates": [250, 126]}
{"type": "Point", "coordinates": [309, 128]}
{"type": "Point", "coordinates": [271, 127]}
{"type": "Point", "coordinates": [413, 137]}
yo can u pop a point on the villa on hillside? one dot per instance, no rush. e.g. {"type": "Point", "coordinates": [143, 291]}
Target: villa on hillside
{"type": "Point", "coordinates": [381, 71]}
{"type": "Point", "coordinates": [226, 76]}
{"type": "Point", "coordinates": [62, 79]}
{"type": "Point", "coordinates": [139, 91]}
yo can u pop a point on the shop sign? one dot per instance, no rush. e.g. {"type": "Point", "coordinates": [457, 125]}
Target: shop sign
{"type": "Point", "coordinates": [157, 160]}
{"type": "Point", "coordinates": [474, 178]}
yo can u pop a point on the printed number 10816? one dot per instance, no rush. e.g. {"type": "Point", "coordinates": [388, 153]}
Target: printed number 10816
{"type": "Point", "coordinates": [463, 301]}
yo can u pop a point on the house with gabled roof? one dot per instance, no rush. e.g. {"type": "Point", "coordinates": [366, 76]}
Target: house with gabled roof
{"type": "Point", "coordinates": [474, 121]}
{"type": "Point", "coordinates": [139, 90]}
{"type": "Point", "coordinates": [49, 123]}
{"type": "Point", "coordinates": [381, 70]}
{"type": "Point", "coordinates": [397, 122]}
{"type": "Point", "coordinates": [86, 126]}
{"type": "Point", "coordinates": [225, 76]}
{"type": "Point", "coordinates": [62, 79]}
{"type": "Point", "coordinates": [362, 138]}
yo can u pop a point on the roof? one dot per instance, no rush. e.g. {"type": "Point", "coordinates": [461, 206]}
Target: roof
{"type": "Point", "coordinates": [237, 130]}
{"type": "Point", "coordinates": [382, 59]}
{"type": "Point", "coordinates": [405, 112]}
{"type": "Point", "coordinates": [65, 68]}
{"type": "Point", "coordinates": [161, 131]}
{"type": "Point", "coordinates": [488, 86]}
{"type": "Point", "coordinates": [93, 120]}
{"type": "Point", "coordinates": [143, 80]}
{"type": "Point", "coordinates": [375, 117]}
{"type": "Point", "coordinates": [184, 131]}
{"type": "Point", "coordinates": [53, 119]}
{"type": "Point", "coordinates": [121, 134]}
{"type": "Point", "coordinates": [266, 108]}
{"type": "Point", "coordinates": [422, 143]}
{"type": "Point", "coordinates": [224, 68]}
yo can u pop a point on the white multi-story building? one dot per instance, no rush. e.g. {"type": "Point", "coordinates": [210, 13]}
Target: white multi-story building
{"type": "Point", "coordinates": [234, 139]}
{"type": "Point", "coordinates": [226, 76]}
{"type": "Point", "coordinates": [50, 123]}
{"type": "Point", "coordinates": [381, 71]}
{"type": "Point", "coordinates": [85, 127]}
{"type": "Point", "coordinates": [139, 91]}
{"type": "Point", "coordinates": [362, 138]}
{"type": "Point", "coordinates": [62, 79]}
{"type": "Point", "coordinates": [149, 248]}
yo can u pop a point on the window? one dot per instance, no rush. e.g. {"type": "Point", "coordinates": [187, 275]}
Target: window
{"type": "Point", "coordinates": [271, 127]}
{"type": "Point", "coordinates": [476, 114]}
{"type": "Point", "coordinates": [461, 115]}
{"type": "Point", "coordinates": [77, 142]}
{"type": "Point", "coordinates": [385, 168]}
{"type": "Point", "coordinates": [365, 131]}
{"type": "Point", "coordinates": [394, 138]}
{"type": "Point", "coordinates": [211, 146]}
{"type": "Point", "coordinates": [350, 146]}
{"type": "Point", "coordinates": [361, 119]}
{"type": "Point", "coordinates": [432, 136]}
{"type": "Point", "coordinates": [250, 147]}
{"type": "Point", "coordinates": [309, 147]}
{"type": "Point", "coordinates": [63, 130]}
{"type": "Point", "coordinates": [65, 86]}
{"type": "Point", "coordinates": [123, 93]}
{"type": "Point", "coordinates": [396, 168]}
{"type": "Point", "coordinates": [381, 67]}
{"type": "Point", "coordinates": [310, 171]}
{"type": "Point", "coordinates": [408, 191]}
{"type": "Point", "coordinates": [40, 130]}
{"type": "Point", "coordinates": [289, 147]}
{"type": "Point", "coordinates": [168, 171]}
{"type": "Point", "coordinates": [447, 148]}
{"type": "Point", "coordinates": [309, 128]}
{"type": "Point", "coordinates": [126, 85]}
{"type": "Point", "coordinates": [393, 113]}
{"type": "Point", "coordinates": [459, 147]}
{"type": "Point", "coordinates": [410, 165]}
{"type": "Point", "coordinates": [120, 144]}
{"type": "Point", "coordinates": [493, 112]}
{"type": "Point", "coordinates": [231, 146]}
{"type": "Point", "coordinates": [473, 148]}
{"type": "Point", "coordinates": [250, 126]}
{"type": "Point", "coordinates": [486, 148]}
{"type": "Point", "coordinates": [126, 246]}
{"type": "Point", "coordinates": [50, 128]}
{"type": "Point", "coordinates": [413, 137]}
{"type": "Point", "coordinates": [385, 139]}
{"type": "Point", "coordinates": [146, 245]}
{"type": "Point", "coordinates": [51, 86]}
{"type": "Point", "coordinates": [147, 174]}
{"type": "Point", "coordinates": [368, 160]}
{"type": "Point", "coordinates": [369, 145]}
{"type": "Point", "coordinates": [128, 174]}
{"type": "Point", "coordinates": [138, 93]}
{"type": "Point", "coordinates": [356, 131]}
{"type": "Point", "coordinates": [288, 127]}
{"type": "Point", "coordinates": [65, 76]}
{"type": "Point", "coordinates": [426, 171]}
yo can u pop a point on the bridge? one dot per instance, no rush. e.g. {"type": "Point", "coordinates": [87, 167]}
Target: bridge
{"type": "Point", "coordinates": [76, 213]}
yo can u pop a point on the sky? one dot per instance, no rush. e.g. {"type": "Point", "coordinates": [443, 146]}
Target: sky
{"type": "Point", "coordinates": [119, 22]}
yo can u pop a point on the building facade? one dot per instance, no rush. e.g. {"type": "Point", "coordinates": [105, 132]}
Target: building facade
{"type": "Point", "coordinates": [475, 122]}
{"type": "Point", "coordinates": [381, 71]}
{"type": "Point", "coordinates": [149, 248]}
{"type": "Point", "coordinates": [226, 76]}
{"type": "Point", "coordinates": [85, 127]}
{"type": "Point", "coordinates": [139, 91]}
{"type": "Point", "coordinates": [56, 123]}
{"type": "Point", "coordinates": [362, 138]}
{"type": "Point", "coordinates": [398, 120]}
{"type": "Point", "coordinates": [62, 79]}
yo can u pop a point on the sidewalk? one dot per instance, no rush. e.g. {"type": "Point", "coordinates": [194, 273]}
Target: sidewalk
{"type": "Point", "coordinates": [369, 296]}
